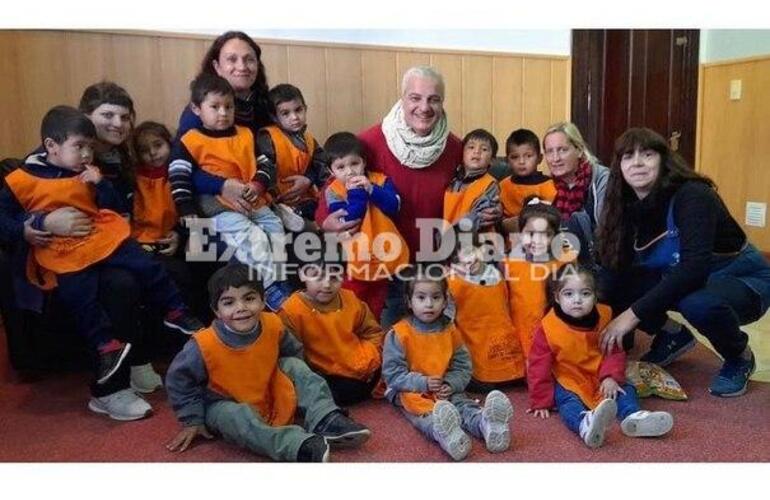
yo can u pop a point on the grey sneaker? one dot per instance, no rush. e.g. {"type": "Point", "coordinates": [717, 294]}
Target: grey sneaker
{"type": "Point", "coordinates": [447, 430]}
{"type": "Point", "coordinates": [594, 424]}
{"type": "Point", "coordinates": [495, 415]}
{"type": "Point", "coordinates": [292, 221]}
{"type": "Point", "coordinates": [122, 405]}
{"type": "Point", "coordinates": [647, 424]}
{"type": "Point", "coordinates": [144, 379]}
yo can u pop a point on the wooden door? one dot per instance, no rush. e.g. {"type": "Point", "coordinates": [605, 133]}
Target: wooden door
{"type": "Point", "coordinates": [632, 78]}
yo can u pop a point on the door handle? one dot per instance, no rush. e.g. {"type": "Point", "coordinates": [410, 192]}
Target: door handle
{"type": "Point", "coordinates": [673, 141]}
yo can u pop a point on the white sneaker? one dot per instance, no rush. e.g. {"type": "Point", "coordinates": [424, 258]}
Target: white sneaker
{"type": "Point", "coordinates": [495, 415]}
{"type": "Point", "coordinates": [291, 219]}
{"type": "Point", "coordinates": [447, 430]}
{"type": "Point", "coordinates": [647, 424]}
{"type": "Point", "coordinates": [594, 424]}
{"type": "Point", "coordinates": [144, 379]}
{"type": "Point", "coordinates": [121, 405]}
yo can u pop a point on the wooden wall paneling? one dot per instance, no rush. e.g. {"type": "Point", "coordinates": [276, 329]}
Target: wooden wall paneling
{"type": "Point", "coordinates": [507, 92]}
{"type": "Point", "coordinates": [407, 59]}
{"type": "Point", "coordinates": [11, 136]}
{"type": "Point", "coordinates": [136, 66]}
{"type": "Point", "coordinates": [276, 60]}
{"type": "Point", "coordinates": [42, 76]}
{"type": "Point", "coordinates": [756, 172]}
{"type": "Point", "coordinates": [181, 59]}
{"type": "Point", "coordinates": [451, 68]}
{"type": "Point", "coordinates": [560, 90]}
{"type": "Point", "coordinates": [344, 90]}
{"type": "Point", "coordinates": [307, 70]}
{"type": "Point", "coordinates": [477, 92]}
{"type": "Point", "coordinates": [88, 60]}
{"type": "Point", "coordinates": [536, 92]}
{"type": "Point", "coordinates": [379, 89]}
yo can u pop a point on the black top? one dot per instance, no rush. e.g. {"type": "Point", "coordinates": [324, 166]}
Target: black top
{"type": "Point", "coordinates": [705, 227]}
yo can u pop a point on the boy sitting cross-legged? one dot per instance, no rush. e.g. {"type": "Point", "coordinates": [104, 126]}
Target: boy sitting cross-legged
{"type": "Point", "coordinates": [232, 379]}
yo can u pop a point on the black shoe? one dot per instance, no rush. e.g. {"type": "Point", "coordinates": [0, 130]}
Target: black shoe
{"type": "Point", "coordinates": [341, 431]}
{"type": "Point", "coordinates": [183, 321]}
{"type": "Point", "coordinates": [110, 359]}
{"type": "Point", "coordinates": [313, 449]}
{"type": "Point", "coordinates": [666, 347]}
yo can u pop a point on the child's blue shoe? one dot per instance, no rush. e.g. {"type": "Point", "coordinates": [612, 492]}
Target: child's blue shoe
{"type": "Point", "coordinates": [733, 379]}
{"type": "Point", "coordinates": [276, 294]}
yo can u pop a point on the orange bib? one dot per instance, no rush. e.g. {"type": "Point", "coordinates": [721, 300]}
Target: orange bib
{"type": "Point", "coordinates": [232, 157]}
{"type": "Point", "coordinates": [527, 283]}
{"type": "Point", "coordinates": [251, 374]}
{"type": "Point", "coordinates": [459, 204]}
{"type": "Point", "coordinates": [364, 263]}
{"type": "Point", "coordinates": [66, 254]}
{"type": "Point", "coordinates": [576, 355]}
{"type": "Point", "coordinates": [331, 346]}
{"type": "Point", "coordinates": [512, 195]}
{"type": "Point", "coordinates": [154, 213]}
{"type": "Point", "coordinates": [429, 354]}
{"type": "Point", "coordinates": [291, 160]}
{"type": "Point", "coordinates": [484, 321]}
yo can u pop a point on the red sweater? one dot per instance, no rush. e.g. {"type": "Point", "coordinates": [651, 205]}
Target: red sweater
{"type": "Point", "coordinates": [421, 190]}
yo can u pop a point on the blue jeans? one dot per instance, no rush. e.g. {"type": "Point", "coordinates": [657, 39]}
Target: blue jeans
{"type": "Point", "coordinates": [249, 237]}
{"type": "Point", "coordinates": [571, 408]}
{"type": "Point", "coordinates": [736, 292]}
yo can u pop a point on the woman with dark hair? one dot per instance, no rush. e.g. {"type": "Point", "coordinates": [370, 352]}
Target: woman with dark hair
{"type": "Point", "coordinates": [237, 58]}
{"type": "Point", "coordinates": [671, 244]}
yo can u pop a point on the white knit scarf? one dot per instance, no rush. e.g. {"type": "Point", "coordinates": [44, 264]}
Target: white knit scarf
{"type": "Point", "coordinates": [412, 150]}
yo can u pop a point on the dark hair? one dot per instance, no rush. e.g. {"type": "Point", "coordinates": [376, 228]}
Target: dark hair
{"type": "Point", "coordinates": [327, 258]}
{"type": "Point", "coordinates": [281, 93]}
{"type": "Point", "coordinates": [149, 127]}
{"type": "Point", "coordinates": [205, 84]}
{"type": "Point", "coordinates": [674, 172]}
{"type": "Point", "coordinates": [61, 122]}
{"type": "Point", "coordinates": [546, 211]}
{"type": "Point", "coordinates": [419, 273]}
{"type": "Point", "coordinates": [235, 276]}
{"type": "Point", "coordinates": [556, 282]}
{"type": "Point", "coordinates": [207, 65]}
{"type": "Point", "coordinates": [106, 92]}
{"type": "Point", "coordinates": [343, 144]}
{"type": "Point", "coordinates": [481, 135]}
{"type": "Point", "coordinates": [520, 137]}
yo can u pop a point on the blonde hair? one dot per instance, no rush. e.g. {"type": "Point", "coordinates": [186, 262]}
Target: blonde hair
{"type": "Point", "coordinates": [573, 135]}
{"type": "Point", "coordinates": [423, 71]}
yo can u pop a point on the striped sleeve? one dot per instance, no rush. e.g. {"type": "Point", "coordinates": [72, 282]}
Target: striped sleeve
{"type": "Point", "coordinates": [180, 172]}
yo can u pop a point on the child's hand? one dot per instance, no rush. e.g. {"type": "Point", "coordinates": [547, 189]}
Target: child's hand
{"type": "Point", "coordinates": [434, 384]}
{"type": "Point", "coordinates": [253, 191]}
{"type": "Point", "coordinates": [359, 182]}
{"type": "Point", "coordinates": [298, 184]}
{"type": "Point", "coordinates": [35, 237]}
{"type": "Point", "coordinates": [444, 392]}
{"type": "Point", "coordinates": [233, 191]}
{"type": "Point", "coordinates": [170, 243]}
{"type": "Point", "coordinates": [542, 413]}
{"type": "Point", "coordinates": [610, 389]}
{"type": "Point", "coordinates": [91, 175]}
{"type": "Point", "coordinates": [182, 440]}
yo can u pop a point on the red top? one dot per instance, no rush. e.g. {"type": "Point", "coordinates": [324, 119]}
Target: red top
{"type": "Point", "coordinates": [421, 190]}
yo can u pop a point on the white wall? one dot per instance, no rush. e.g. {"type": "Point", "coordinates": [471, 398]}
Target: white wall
{"type": "Point", "coordinates": [719, 45]}
{"type": "Point", "coordinates": [546, 41]}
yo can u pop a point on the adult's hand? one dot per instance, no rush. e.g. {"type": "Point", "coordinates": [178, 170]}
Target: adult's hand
{"type": "Point", "coordinates": [335, 223]}
{"type": "Point", "coordinates": [233, 191]}
{"type": "Point", "coordinates": [68, 221]}
{"type": "Point", "coordinates": [613, 333]}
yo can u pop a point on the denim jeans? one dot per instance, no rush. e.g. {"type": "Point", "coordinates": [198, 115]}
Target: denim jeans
{"type": "Point", "coordinates": [249, 236]}
{"type": "Point", "coordinates": [571, 408]}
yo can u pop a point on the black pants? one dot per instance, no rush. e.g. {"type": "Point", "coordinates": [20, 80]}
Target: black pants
{"type": "Point", "coordinates": [348, 391]}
